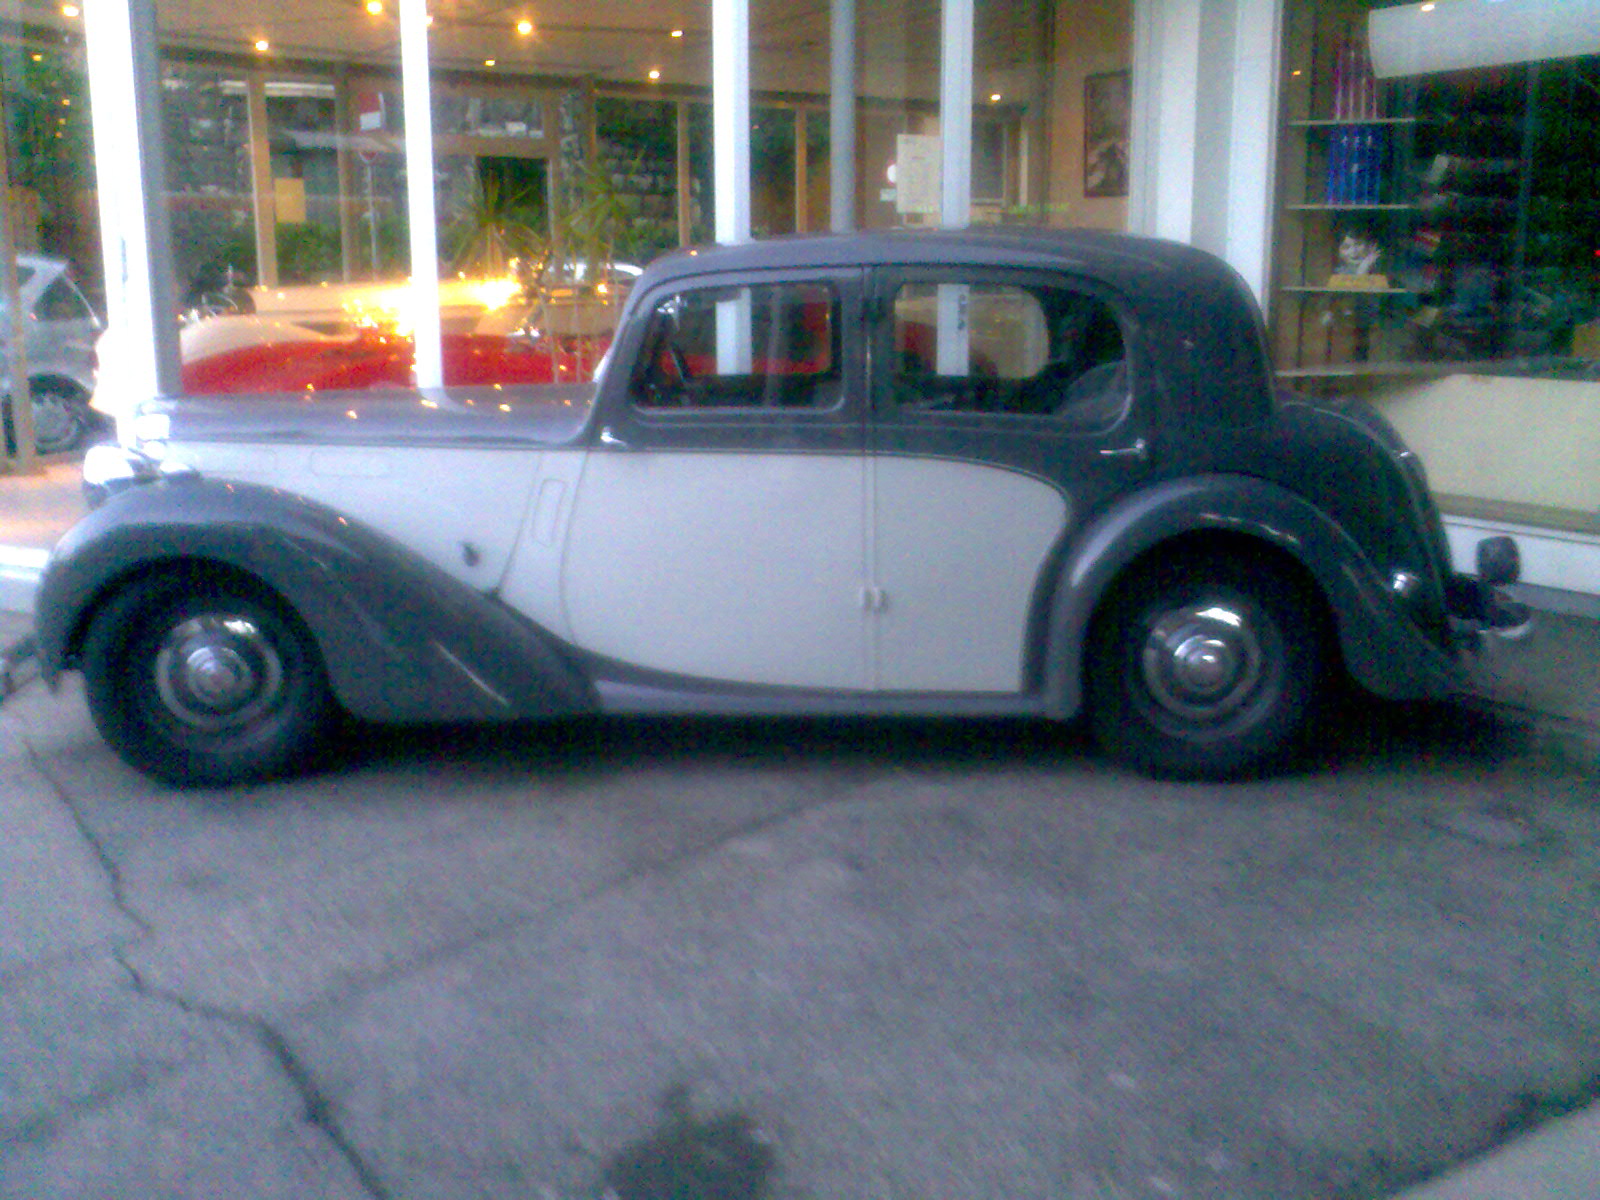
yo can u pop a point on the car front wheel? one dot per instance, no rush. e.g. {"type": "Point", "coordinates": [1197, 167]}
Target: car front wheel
{"type": "Point", "coordinates": [1205, 667]}
{"type": "Point", "coordinates": [205, 681]}
{"type": "Point", "coordinates": [61, 417]}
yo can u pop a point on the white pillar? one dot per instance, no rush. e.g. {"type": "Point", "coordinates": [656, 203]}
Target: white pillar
{"type": "Point", "coordinates": [420, 214]}
{"type": "Point", "coordinates": [264, 201]}
{"type": "Point", "coordinates": [1166, 73]}
{"type": "Point", "coordinates": [685, 188]}
{"type": "Point", "coordinates": [1253, 148]}
{"type": "Point", "coordinates": [955, 115]}
{"type": "Point", "coordinates": [842, 119]}
{"type": "Point", "coordinates": [730, 118]}
{"type": "Point", "coordinates": [1208, 182]}
{"type": "Point", "coordinates": [135, 236]}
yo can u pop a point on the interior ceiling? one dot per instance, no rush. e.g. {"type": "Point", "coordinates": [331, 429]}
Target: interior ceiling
{"type": "Point", "coordinates": [611, 41]}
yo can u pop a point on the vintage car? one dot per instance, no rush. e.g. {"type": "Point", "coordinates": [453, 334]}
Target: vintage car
{"type": "Point", "coordinates": [956, 473]}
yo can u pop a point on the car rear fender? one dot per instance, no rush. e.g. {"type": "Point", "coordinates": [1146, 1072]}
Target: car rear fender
{"type": "Point", "coordinates": [1382, 646]}
{"type": "Point", "coordinates": [401, 640]}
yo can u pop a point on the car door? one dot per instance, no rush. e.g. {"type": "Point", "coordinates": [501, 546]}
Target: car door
{"type": "Point", "coordinates": [1002, 411]}
{"type": "Point", "coordinates": [718, 531]}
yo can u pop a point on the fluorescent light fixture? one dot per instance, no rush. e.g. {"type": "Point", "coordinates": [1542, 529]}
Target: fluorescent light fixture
{"type": "Point", "coordinates": [1456, 35]}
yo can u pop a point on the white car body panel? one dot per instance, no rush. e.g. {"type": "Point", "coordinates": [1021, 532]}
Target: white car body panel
{"type": "Point", "coordinates": [532, 582]}
{"type": "Point", "coordinates": [958, 549]}
{"type": "Point", "coordinates": [648, 578]}
{"type": "Point", "coordinates": [461, 509]}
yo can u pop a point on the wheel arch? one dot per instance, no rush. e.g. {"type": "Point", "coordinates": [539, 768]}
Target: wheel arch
{"type": "Point", "coordinates": [198, 566]}
{"type": "Point", "coordinates": [1374, 640]}
{"type": "Point", "coordinates": [400, 640]}
{"type": "Point", "coordinates": [57, 379]}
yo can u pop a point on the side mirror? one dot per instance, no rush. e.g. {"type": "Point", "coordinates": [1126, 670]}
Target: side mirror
{"type": "Point", "coordinates": [1499, 562]}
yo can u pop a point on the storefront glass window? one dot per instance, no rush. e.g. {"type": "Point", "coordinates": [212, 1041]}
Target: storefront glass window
{"type": "Point", "coordinates": [566, 155]}
{"type": "Point", "coordinates": [1438, 247]}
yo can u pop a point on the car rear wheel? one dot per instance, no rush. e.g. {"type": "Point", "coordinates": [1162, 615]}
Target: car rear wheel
{"type": "Point", "coordinates": [205, 681]}
{"type": "Point", "coordinates": [1206, 667]}
{"type": "Point", "coordinates": [61, 416]}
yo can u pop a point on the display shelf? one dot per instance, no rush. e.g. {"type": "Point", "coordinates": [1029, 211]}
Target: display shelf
{"type": "Point", "coordinates": [1370, 370]}
{"type": "Point", "coordinates": [1324, 290]}
{"type": "Point", "coordinates": [1350, 208]}
{"type": "Point", "coordinates": [1343, 122]}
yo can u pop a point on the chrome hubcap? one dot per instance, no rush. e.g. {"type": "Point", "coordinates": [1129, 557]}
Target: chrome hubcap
{"type": "Point", "coordinates": [218, 672]}
{"type": "Point", "coordinates": [1202, 663]}
{"type": "Point", "coordinates": [53, 422]}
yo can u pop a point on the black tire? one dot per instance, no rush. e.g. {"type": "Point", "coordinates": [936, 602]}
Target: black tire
{"type": "Point", "coordinates": [1206, 667]}
{"type": "Point", "coordinates": [205, 681]}
{"type": "Point", "coordinates": [61, 416]}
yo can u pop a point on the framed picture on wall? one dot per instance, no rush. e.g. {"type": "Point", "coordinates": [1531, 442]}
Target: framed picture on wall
{"type": "Point", "coordinates": [1107, 102]}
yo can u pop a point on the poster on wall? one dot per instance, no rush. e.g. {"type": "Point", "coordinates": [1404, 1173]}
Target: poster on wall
{"type": "Point", "coordinates": [917, 174]}
{"type": "Point", "coordinates": [1107, 103]}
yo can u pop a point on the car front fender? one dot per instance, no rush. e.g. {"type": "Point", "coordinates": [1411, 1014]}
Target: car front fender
{"type": "Point", "coordinates": [1383, 647]}
{"type": "Point", "coordinates": [401, 640]}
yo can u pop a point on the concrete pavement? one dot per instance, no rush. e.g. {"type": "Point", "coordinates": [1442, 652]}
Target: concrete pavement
{"type": "Point", "coordinates": [947, 963]}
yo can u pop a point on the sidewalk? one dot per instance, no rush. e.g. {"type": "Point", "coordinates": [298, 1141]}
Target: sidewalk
{"type": "Point", "coordinates": [35, 510]}
{"type": "Point", "coordinates": [1551, 682]}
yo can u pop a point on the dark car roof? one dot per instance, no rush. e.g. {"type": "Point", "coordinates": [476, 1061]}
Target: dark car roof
{"type": "Point", "coordinates": [1198, 322]}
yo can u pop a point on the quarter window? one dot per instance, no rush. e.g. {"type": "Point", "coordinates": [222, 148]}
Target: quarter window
{"type": "Point", "coordinates": [1009, 350]}
{"type": "Point", "coordinates": [61, 302]}
{"type": "Point", "coordinates": [767, 346]}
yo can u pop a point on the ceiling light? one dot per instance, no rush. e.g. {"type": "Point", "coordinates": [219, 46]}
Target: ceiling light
{"type": "Point", "coordinates": [677, 33]}
{"type": "Point", "coordinates": [70, 10]}
{"type": "Point", "coordinates": [374, 8]}
{"type": "Point", "coordinates": [994, 97]}
{"type": "Point", "coordinates": [262, 45]}
{"type": "Point", "coordinates": [524, 27]}
{"type": "Point", "coordinates": [489, 62]}
{"type": "Point", "coordinates": [655, 74]}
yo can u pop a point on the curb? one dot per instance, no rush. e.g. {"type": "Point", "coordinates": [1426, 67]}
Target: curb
{"type": "Point", "coordinates": [20, 569]}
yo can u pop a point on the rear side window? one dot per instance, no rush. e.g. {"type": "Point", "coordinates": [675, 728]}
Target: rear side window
{"type": "Point", "coordinates": [765, 346]}
{"type": "Point", "coordinates": [61, 302]}
{"type": "Point", "coordinates": [1016, 350]}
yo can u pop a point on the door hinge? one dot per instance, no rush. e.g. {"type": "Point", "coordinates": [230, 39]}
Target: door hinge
{"type": "Point", "coordinates": [874, 599]}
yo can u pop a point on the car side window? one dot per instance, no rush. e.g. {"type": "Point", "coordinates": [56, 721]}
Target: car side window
{"type": "Point", "coordinates": [61, 302]}
{"type": "Point", "coordinates": [1016, 350]}
{"type": "Point", "coordinates": [761, 346]}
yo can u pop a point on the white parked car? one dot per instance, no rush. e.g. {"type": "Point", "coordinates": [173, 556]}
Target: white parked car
{"type": "Point", "coordinates": [60, 329]}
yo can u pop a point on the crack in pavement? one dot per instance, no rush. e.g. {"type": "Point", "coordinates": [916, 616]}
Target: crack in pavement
{"type": "Point", "coordinates": [318, 1109]}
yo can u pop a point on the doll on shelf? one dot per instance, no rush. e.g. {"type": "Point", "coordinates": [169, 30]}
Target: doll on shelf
{"type": "Point", "coordinates": [1358, 253]}
{"type": "Point", "coordinates": [1357, 265]}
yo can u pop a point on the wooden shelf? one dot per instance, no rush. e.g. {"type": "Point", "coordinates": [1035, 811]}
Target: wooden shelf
{"type": "Point", "coordinates": [1344, 122]}
{"type": "Point", "coordinates": [1305, 289]}
{"type": "Point", "coordinates": [1372, 370]}
{"type": "Point", "coordinates": [1351, 207]}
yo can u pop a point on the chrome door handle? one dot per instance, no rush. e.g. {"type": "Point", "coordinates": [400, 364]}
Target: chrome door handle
{"type": "Point", "coordinates": [1140, 450]}
{"type": "Point", "coordinates": [607, 438]}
